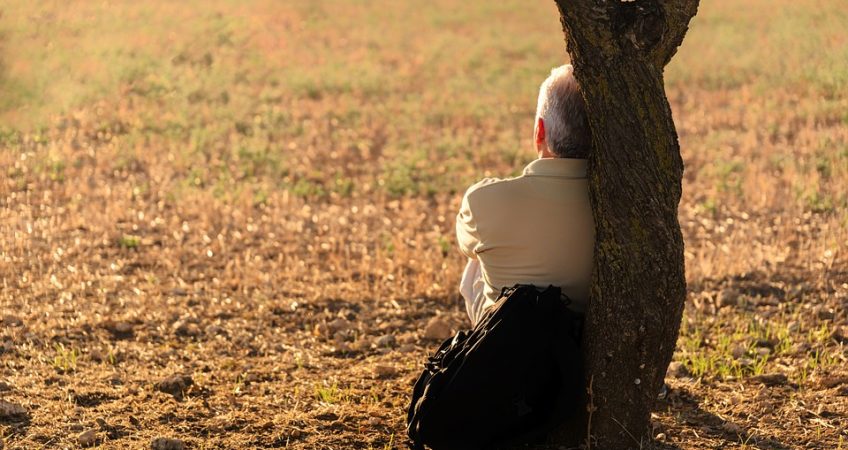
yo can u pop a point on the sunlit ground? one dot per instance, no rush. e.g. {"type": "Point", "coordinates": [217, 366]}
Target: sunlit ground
{"type": "Point", "coordinates": [260, 196]}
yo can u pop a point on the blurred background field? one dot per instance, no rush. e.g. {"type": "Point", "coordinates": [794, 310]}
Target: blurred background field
{"type": "Point", "coordinates": [260, 196]}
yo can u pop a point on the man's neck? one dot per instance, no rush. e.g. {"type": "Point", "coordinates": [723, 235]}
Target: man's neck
{"type": "Point", "coordinates": [545, 153]}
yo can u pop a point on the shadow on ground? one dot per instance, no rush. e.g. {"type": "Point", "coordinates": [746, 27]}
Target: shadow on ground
{"type": "Point", "coordinates": [691, 421]}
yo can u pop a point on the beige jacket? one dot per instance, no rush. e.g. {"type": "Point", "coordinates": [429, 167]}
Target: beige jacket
{"type": "Point", "coordinates": [533, 229]}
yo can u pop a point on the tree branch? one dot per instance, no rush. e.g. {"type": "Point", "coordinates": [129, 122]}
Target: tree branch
{"type": "Point", "coordinates": [678, 14]}
{"type": "Point", "coordinates": [644, 29]}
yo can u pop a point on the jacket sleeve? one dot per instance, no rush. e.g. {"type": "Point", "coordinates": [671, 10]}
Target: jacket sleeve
{"type": "Point", "coordinates": [467, 234]}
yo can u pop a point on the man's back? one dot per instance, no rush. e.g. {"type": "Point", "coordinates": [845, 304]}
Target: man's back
{"type": "Point", "coordinates": [534, 229]}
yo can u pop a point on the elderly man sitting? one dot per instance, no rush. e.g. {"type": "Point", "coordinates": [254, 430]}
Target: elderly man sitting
{"type": "Point", "coordinates": [537, 228]}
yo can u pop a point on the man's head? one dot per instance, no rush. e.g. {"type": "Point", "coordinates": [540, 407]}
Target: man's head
{"type": "Point", "coordinates": [562, 128]}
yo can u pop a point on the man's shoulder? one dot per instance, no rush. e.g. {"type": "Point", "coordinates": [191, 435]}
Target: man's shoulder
{"type": "Point", "coordinates": [490, 186]}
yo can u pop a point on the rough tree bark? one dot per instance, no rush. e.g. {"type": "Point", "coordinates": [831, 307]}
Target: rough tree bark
{"type": "Point", "coordinates": [619, 49]}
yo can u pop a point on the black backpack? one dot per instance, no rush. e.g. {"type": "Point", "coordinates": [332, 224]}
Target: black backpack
{"type": "Point", "coordinates": [510, 380]}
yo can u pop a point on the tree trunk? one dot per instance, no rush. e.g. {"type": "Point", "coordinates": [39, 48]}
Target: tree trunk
{"type": "Point", "coordinates": [619, 49]}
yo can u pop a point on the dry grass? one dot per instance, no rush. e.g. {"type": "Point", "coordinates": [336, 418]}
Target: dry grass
{"type": "Point", "coordinates": [206, 188]}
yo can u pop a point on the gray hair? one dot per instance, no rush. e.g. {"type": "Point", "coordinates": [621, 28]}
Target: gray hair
{"type": "Point", "coordinates": [562, 108]}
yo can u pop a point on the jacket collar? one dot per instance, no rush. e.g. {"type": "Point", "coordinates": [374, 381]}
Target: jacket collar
{"type": "Point", "coordinates": [557, 167]}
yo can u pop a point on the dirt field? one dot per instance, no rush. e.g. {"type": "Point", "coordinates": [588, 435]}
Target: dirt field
{"type": "Point", "coordinates": [231, 223]}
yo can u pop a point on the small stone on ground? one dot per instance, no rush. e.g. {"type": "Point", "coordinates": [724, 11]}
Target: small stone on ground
{"type": "Point", "coordinates": [10, 410]}
{"type": "Point", "coordinates": [386, 340]}
{"type": "Point", "coordinates": [120, 330]}
{"type": "Point", "coordinates": [175, 385]}
{"type": "Point", "coordinates": [771, 379]}
{"type": "Point", "coordinates": [437, 329]}
{"type": "Point", "coordinates": [163, 443]}
{"type": "Point", "coordinates": [87, 438]}
{"type": "Point", "coordinates": [384, 371]}
{"type": "Point", "coordinates": [339, 325]}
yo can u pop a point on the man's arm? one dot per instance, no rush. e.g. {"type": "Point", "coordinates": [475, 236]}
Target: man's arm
{"type": "Point", "coordinates": [467, 234]}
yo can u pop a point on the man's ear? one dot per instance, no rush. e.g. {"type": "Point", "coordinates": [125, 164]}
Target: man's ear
{"type": "Point", "coordinates": [540, 133]}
